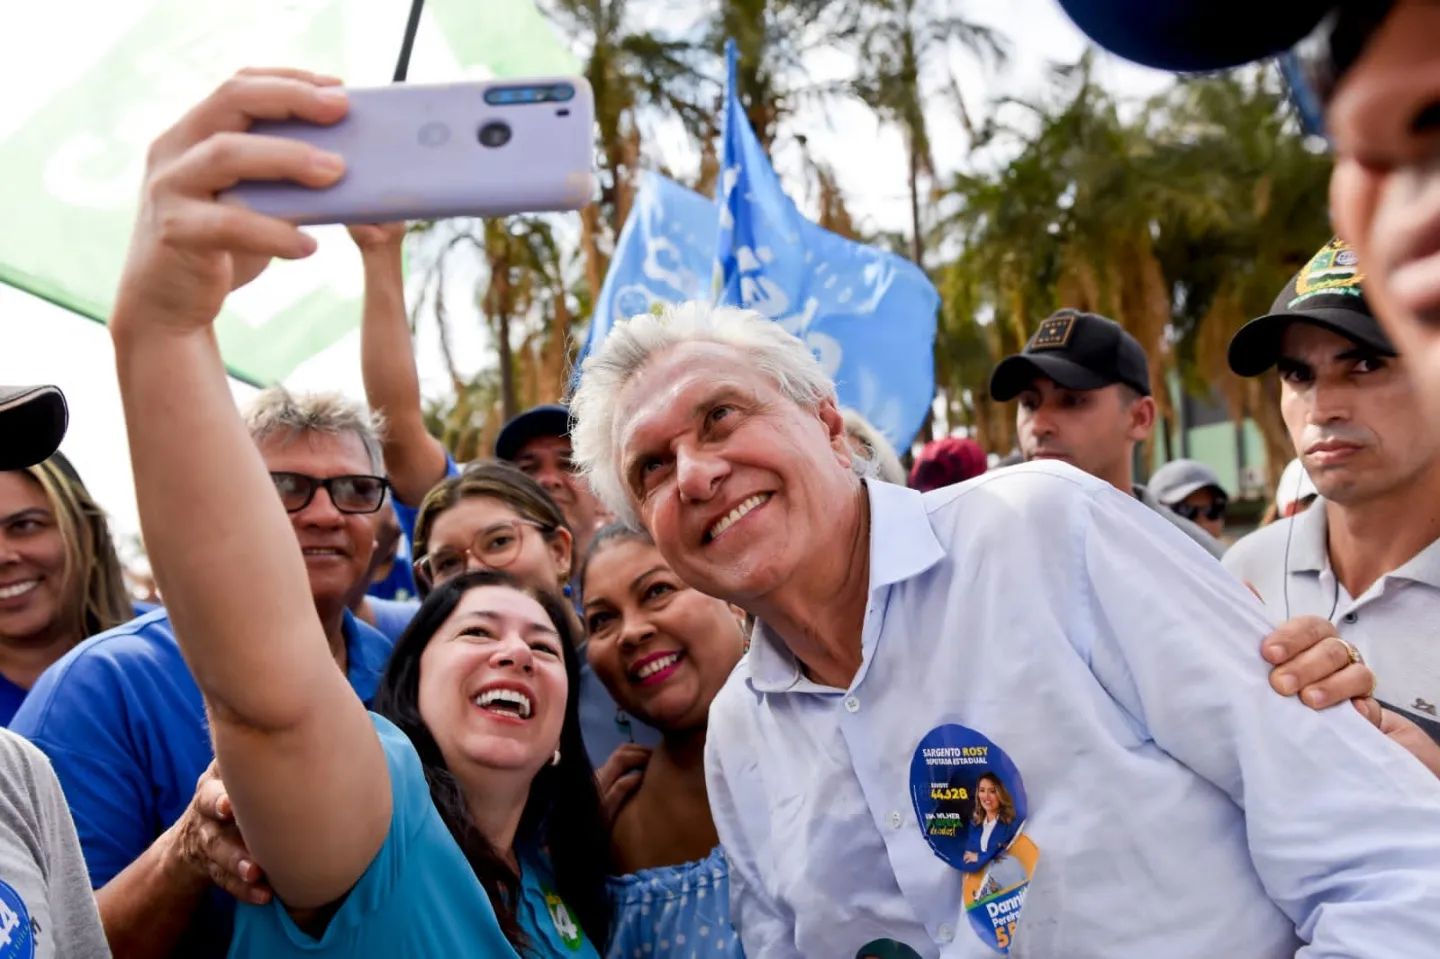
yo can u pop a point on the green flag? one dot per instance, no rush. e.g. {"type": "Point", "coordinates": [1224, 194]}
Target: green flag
{"type": "Point", "coordinates": [90, 85]}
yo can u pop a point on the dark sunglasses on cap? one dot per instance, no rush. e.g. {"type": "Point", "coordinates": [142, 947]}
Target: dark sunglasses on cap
{"type": "Point", "coordinates": [350, 494]}
{"type": "Point", "coordinates": [1315, 66]}
{"type": "Point", "coordinates": [1216, 510]}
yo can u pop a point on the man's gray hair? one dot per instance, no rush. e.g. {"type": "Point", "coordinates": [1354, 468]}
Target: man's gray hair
{"type": "Point", "coordinates": [765, 345]}
{"type": "Point", "coordinates": [277, 410]}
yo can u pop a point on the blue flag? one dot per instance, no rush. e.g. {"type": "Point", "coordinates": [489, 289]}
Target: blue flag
{"type": "Point", "coordinates": [664, 255]}
{"type": "Point", "coordinates": [868, 315]}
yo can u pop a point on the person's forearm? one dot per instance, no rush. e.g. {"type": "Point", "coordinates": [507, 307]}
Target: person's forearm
{"type": "Point", "coordinates": [414, 460]}
{"type": "Point", "coordinates": [208, 509]}
{"type": "Point", "coordinates": [147, 907]}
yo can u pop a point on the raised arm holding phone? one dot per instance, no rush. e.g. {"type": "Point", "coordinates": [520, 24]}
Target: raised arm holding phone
{"type": "Point", "coordinates": [312, 778]}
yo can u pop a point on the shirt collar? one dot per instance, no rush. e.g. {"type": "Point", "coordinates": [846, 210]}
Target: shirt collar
{"type": "Point", "coordinates": [366, 652]}
{"type": "Point", "coordinates": [902, 545]}
{"type": "Point", "coordinates": [1423, 567]}
{"type": "Point", "coordinates": [1309, 540]}
{"type": "Point", "coordinates": [1310, 550]}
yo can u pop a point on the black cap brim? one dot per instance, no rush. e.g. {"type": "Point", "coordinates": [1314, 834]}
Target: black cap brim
{"type": "Point", "coordinates": [540, 421]}
{"type": "Point", "coordinates": [1014, 374]}
{"type": "Point", "coordinates": [1196, 35]}
{"type": "Point", "coordinates": [32, 424]}
{"type": "Point", "coordinates": [1256, 346]}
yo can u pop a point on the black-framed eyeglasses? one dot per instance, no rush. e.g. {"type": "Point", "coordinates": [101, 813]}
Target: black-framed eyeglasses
{"type": "Point", "coordinates": [1314, 67]}
{"type": "Point", "coordinates": [494, 547]}
{"type": "Point", "coordinates": [357, 493]}
{"type": "Point", "coordinates": [1216, 510]}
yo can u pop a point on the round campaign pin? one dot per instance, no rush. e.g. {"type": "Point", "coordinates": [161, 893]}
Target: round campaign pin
{"type": "Point", "coordinates": [17, 939]}
{"type": "Point", "coordinates": [971, 807]}
{"type": "Point", "coordinates": [959, 779]}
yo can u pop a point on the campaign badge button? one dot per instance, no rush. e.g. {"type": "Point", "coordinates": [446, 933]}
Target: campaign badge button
{"type": "Point", "coordinates": [971, 807]}
{"type": "Point", "coordinates": [17, 938]}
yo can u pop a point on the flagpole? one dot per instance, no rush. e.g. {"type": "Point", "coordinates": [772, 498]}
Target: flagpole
{"type": "Point", "coordinates": [402, 66]}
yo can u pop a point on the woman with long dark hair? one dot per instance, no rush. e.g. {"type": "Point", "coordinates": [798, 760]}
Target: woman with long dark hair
{"type": "Point", "coordinates": [497, 827]}
{"type": "Point", "coordinates": [559, 819]}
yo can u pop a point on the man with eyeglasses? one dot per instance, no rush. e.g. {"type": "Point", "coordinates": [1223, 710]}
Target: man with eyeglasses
{"type": "Point", "coordinates": [1084, 389]}
{"type": "Point", "coordinates": [1192, 491]}
{"type": "Point", "coordinates": [1366, 73]}
{"type": "Point", "coordinates": [1366, 556]}
{"type": "Point", "coordinates": [122, 720]}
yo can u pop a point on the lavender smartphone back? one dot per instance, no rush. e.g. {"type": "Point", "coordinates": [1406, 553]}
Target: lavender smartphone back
{"type": "Point", "coordinates": [420, 152]}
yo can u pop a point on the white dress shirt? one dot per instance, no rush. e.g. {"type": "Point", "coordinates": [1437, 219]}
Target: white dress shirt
{"type": "Point", "coordinates": [1395, 624]}
{"type": "Point", "coordinates": [1180, 807]}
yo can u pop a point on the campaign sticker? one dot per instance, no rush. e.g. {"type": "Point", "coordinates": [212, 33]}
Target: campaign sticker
{"type": "Point", "coordinates": [971, 807]}
{"type": "Point", "coordinates": [17, 939]}
{"type": "Point", "coordinates": [886, 949]}
{"type": "Point", "coordinates": [565, 925]}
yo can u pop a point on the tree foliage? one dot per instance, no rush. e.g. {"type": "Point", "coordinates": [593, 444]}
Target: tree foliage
{"type": "Point", "coordinates": [1180, 217]}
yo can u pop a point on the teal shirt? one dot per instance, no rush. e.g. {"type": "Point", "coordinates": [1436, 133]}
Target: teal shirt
{"type": "Point", "coordinates": [418, 897]}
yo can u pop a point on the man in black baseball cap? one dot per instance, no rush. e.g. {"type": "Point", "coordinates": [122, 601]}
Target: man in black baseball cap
{"type": "Point", "coordinates": [538, 442]}
{"type": "Point", "coordinates": [32, 424]}
{"type": "Point", "coordinates": [1367, 74]}
{"type": "Point", "coordinates": [1326, 293]}
{"type": "Point", "coordinates": [1366, 556]}
{"type": "Point", "coordinates": [1084, 389]}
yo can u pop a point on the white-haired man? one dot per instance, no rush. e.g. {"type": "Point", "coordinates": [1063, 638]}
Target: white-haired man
{"type": "Point", "coordinates": [1014, 710]}
{"type": "Point", "coordinates": [122, 720]}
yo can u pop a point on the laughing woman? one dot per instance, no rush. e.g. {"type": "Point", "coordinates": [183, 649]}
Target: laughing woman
{"type": "Point", "coordinates": [663, 650]}
{"type": "Point", "coordinates": [375, 846]}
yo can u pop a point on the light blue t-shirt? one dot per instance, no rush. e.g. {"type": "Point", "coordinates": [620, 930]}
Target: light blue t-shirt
{"type": "Point", "coordinates": [418, 896]}
{"type": "Point", "coordinates": [682, 912]}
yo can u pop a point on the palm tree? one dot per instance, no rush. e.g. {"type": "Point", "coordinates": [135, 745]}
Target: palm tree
{"type": "Point", "coordinates": [628, 69]}
{"type": "Point", "coordinates": [1180, 223]}
{"type": "Point", "coordinates": [895, 44]}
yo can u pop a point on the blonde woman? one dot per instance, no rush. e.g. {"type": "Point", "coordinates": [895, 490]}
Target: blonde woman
{"type": "Point", "coordinates": [60, 579]}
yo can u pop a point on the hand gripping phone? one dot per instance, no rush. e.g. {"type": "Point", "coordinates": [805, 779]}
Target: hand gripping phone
{"type": "Point", "coordinates": [422, 152]}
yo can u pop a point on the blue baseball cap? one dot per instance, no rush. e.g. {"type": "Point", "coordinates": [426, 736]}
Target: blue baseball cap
{"type": "Point", "coordinates": [551, 419]}
{"type": "Point", "coordinates": [1194, 36]}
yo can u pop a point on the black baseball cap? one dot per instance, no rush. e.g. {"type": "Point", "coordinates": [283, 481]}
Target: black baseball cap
{"type": "Point", "coordinates": [1196, 35]}
{"type": "Point", "coordinates": [1080, 351]}
{"type": "Point", "coordinates": [32, 424]}
{"type": "Point", "coordinates": [551, 419]}
{"type": "Point", "coordinates": [1329, 292]}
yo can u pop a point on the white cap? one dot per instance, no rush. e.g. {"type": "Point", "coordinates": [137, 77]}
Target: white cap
{"type": "Point", "coordinates": [1295, 485]}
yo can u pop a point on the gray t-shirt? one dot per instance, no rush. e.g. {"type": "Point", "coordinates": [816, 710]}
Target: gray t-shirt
{"type": "Point", "coordinates": [1212, 545]}
{"type": "Point", "coordinates": [47, 910]}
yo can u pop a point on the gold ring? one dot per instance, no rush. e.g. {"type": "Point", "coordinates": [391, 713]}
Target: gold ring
{"type": "Point", "coordinates": [1355, 658]}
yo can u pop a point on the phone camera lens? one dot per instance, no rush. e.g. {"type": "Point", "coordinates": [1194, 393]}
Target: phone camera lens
{"type": "Point", "coordinates": [495, 134]}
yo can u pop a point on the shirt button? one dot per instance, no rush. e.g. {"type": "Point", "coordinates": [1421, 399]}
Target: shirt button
{"type": "Point", "coordinates": [1351, 618]}
{"type": "Point", "coordinates": [852, 704]}
{"type": "Point", "coordinates": [945, 933]}
{"type": "Point", "coordinates": [894, 819]}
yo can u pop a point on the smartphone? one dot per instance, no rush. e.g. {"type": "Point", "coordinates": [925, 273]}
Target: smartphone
{"type": "Point", "coordinates": [424, 152]}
